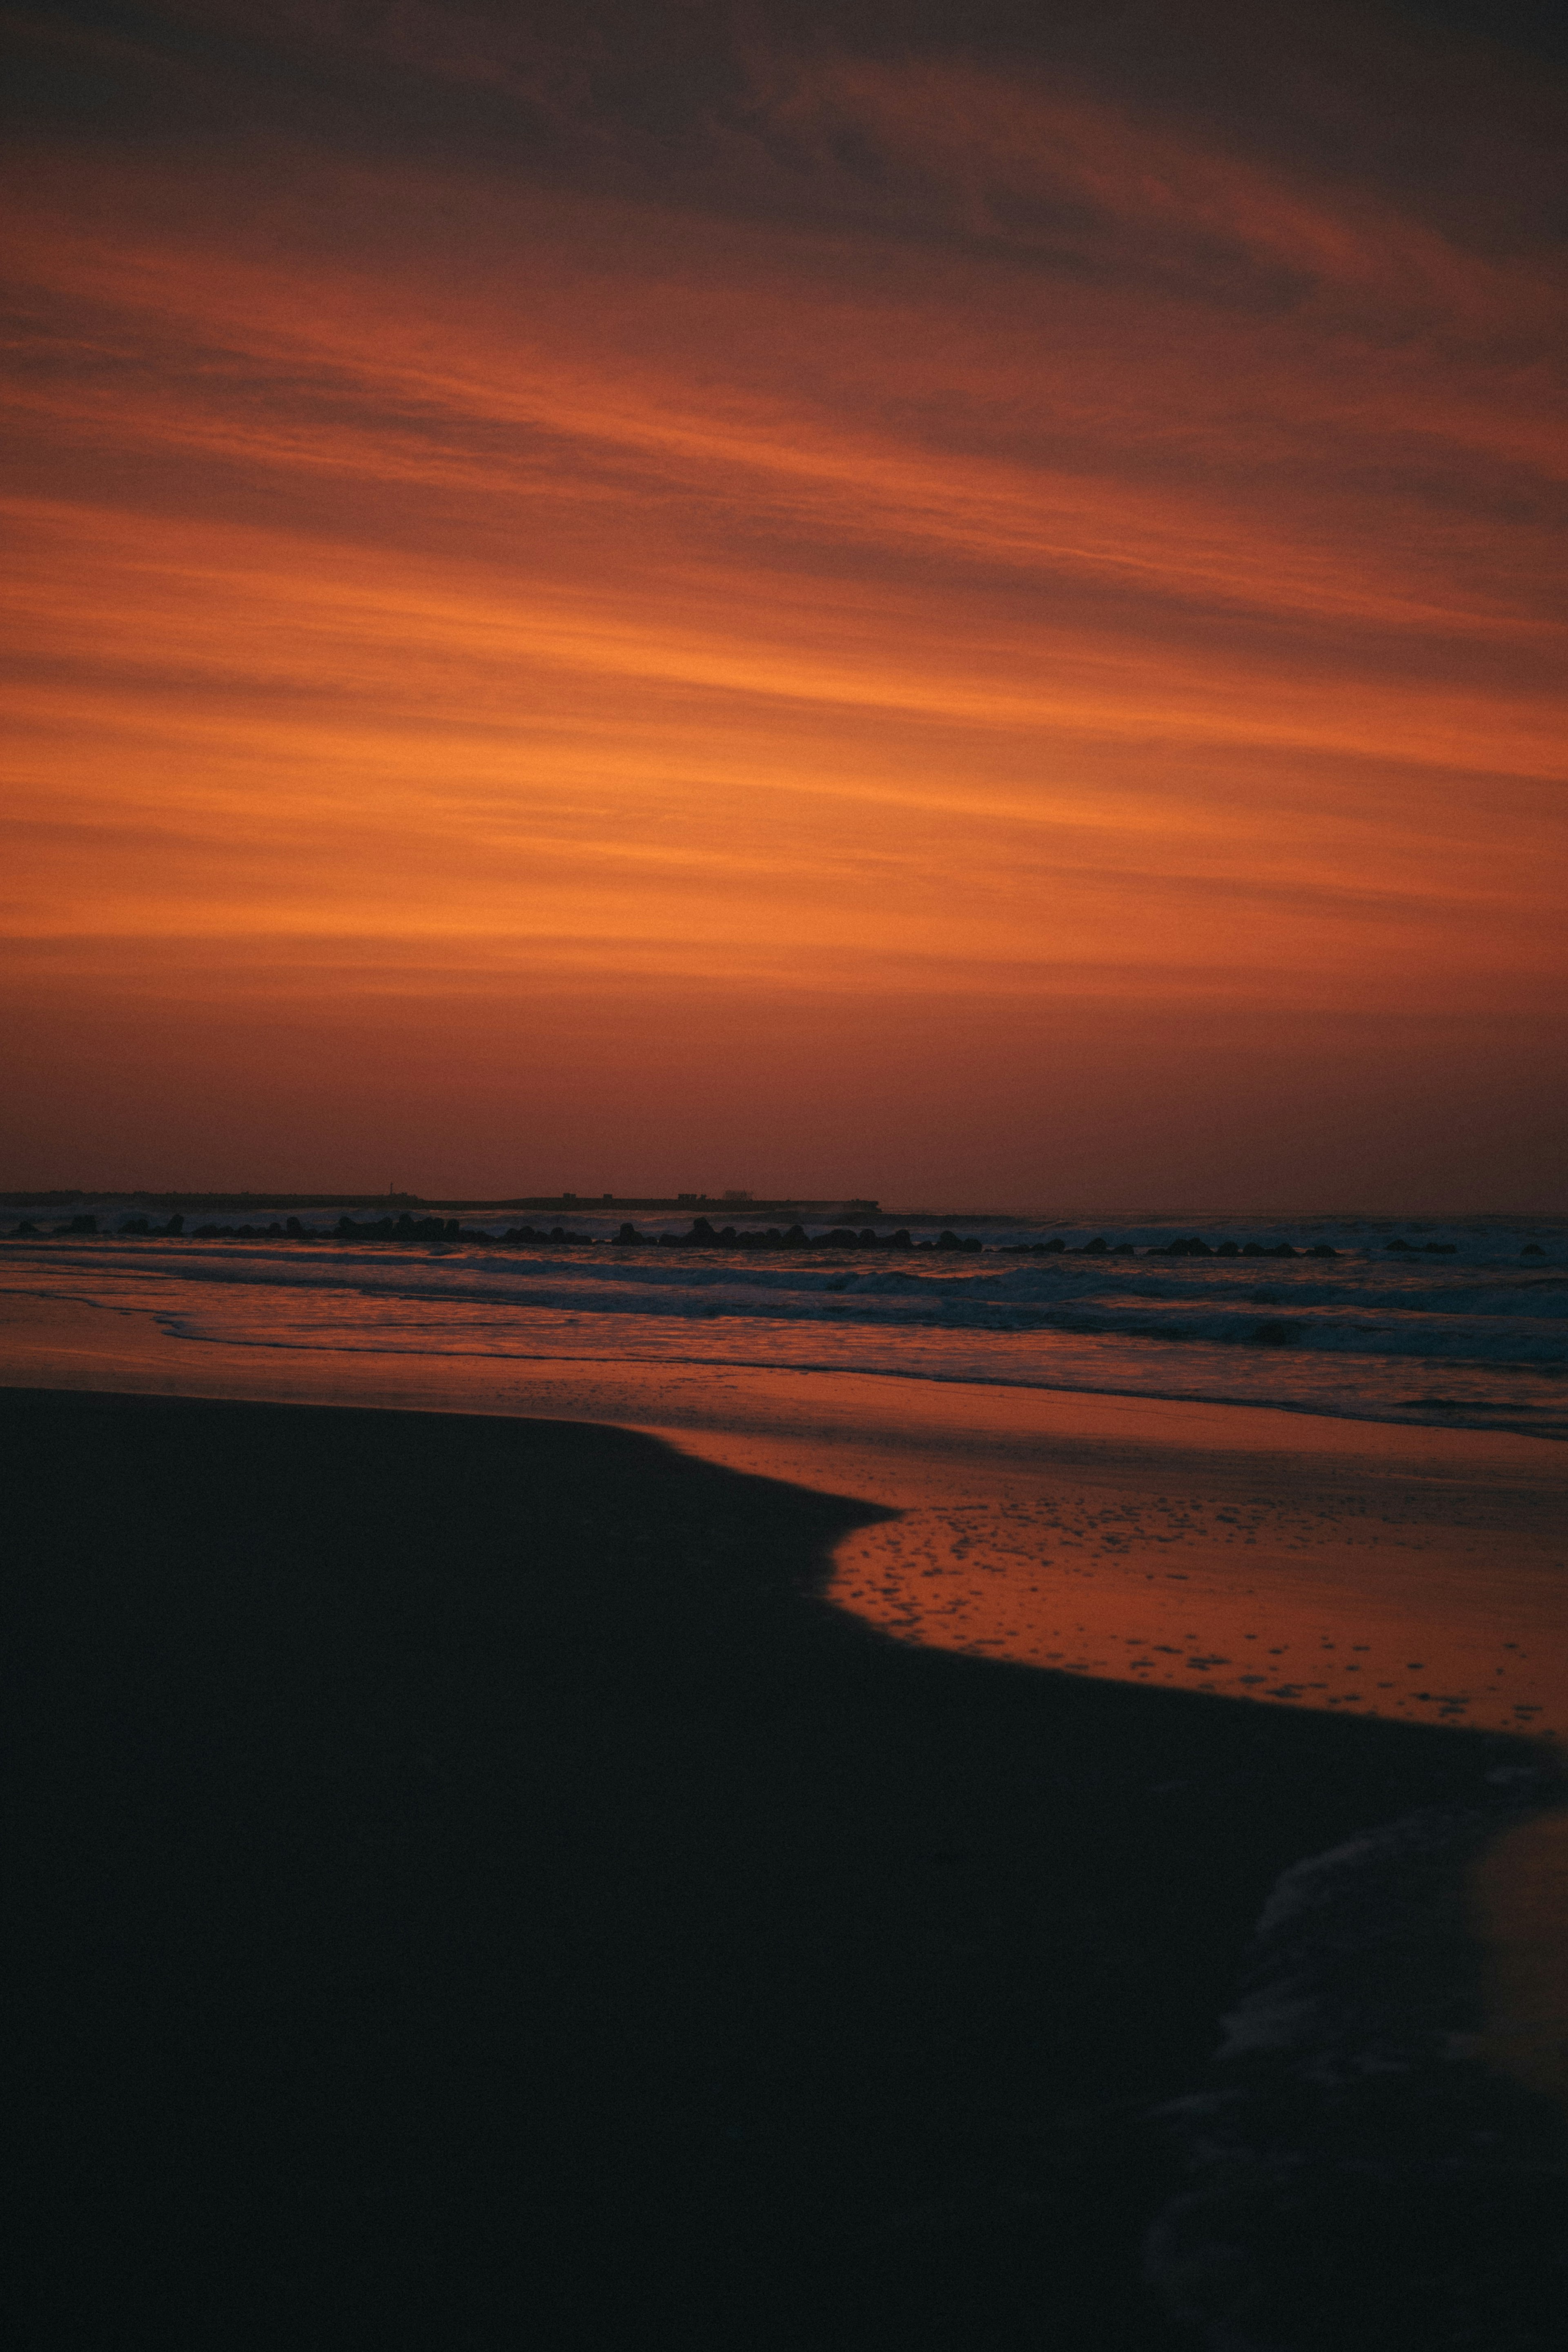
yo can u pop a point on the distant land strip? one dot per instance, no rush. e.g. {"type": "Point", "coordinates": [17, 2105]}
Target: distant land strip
{"type": "Point", "coordinates": [600, 1204]}
{"type": "Point", "coordinates": [582, 1204]}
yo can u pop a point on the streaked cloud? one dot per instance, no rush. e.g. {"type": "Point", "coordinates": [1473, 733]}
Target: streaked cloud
{"type": "Point", "coordinates": [927, 521]}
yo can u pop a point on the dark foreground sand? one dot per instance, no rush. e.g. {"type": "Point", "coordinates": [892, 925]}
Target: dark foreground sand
{"type": "Point", "coordinates": [477, 1893]}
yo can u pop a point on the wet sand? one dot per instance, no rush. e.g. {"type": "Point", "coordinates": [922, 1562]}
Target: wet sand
{"type": "Point", "coordinates": [479, 1892]}
{"type": "Point", "coordinates": [482, 1892]}
{"type": "Point", "coordinates": [1388, 1569]}
{"type": "Point", "coordinates": [1520, 1896]}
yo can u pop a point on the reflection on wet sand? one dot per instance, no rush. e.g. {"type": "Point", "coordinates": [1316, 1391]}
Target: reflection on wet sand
{"type": "Point", "coordinates": [1372, 1568]}
{"type": "Point", "coordinates": [1520, 1891]}
{"type": "Point", "coordinates": [1253, 1598]}
{"type": "Point", "coordinates": [1414, 1574]}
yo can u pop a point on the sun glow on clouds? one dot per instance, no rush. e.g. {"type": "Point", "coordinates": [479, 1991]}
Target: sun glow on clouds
{"type": "Point", "coordinates": [1054, 558]}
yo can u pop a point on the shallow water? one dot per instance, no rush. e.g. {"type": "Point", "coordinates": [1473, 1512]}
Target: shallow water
{"type": "Point", "coordinates": [1457, 1326]}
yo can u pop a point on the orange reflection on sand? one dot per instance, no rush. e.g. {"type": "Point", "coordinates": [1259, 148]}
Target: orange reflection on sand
{"type": "Point", "coordinates": [1237, 1550]}
{"type": "Point", "coordinates": [1519, 1891]}
{"type": "Point", "coordinates": [1372, 1568]}
{"type": "Point", "coordinates": [1259, 1600]}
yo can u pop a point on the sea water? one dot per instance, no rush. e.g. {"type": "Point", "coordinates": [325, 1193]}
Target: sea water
{"type": "Point", "coordinates": [1461, 1324]}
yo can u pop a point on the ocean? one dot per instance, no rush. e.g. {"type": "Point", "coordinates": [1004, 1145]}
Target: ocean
{"type": "Point", "coordinates": [1461, 1324]}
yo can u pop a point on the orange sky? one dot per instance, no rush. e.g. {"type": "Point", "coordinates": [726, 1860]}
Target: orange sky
{"type": "Point", "coordinates": [958, 616]}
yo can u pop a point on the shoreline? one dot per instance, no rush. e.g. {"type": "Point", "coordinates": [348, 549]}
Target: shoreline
{"type": "Point", "coordinates": [1235, 1362]}
{"type": "Point", "coordinates": [849, 1946]}
{"type": "Point", "coordinates": [949, 1475]}
{"type": "Point", "coordinates": [1389, 1566]}
{"type": "Point", "coordinates": [74, 1341]}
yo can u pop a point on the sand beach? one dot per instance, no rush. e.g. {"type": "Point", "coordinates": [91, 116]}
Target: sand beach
{"type": "Point", "coordinates": [499, 1877]}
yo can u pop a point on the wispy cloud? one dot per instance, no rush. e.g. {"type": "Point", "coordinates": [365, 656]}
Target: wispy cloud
{"type": "Point", "coordinates": [963, 518]}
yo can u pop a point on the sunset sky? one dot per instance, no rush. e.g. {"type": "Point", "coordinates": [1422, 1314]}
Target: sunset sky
{"type": "Point", "coordinates": [963, 603]}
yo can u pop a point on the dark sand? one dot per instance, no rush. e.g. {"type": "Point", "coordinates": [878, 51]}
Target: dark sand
{"type": "Point", "coordinates": [477, 1893]}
